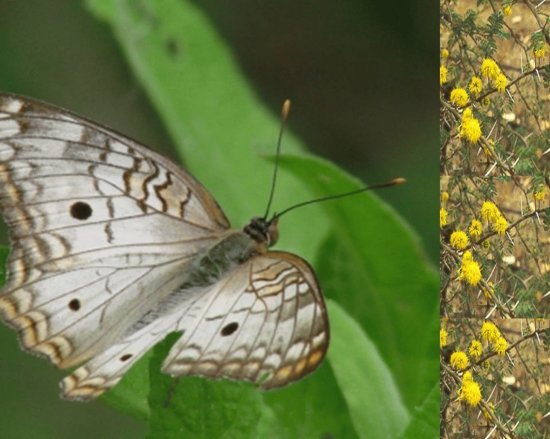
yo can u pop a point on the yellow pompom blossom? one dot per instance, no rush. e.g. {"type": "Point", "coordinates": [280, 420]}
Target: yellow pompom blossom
{"type": "Point", "coordinates": [500, 345]}
{"type": "Point", "coordinates": [489, 211]}
{"type": "Point", "coordinates": [475, 87]}
{"type": "Point", "coordinates": [459, 97]}
{"type": "Point", "coordinates": [489, 68]}
{"type": "Point", "coordinates": [444, 53]}
{"type": "Point", "coordinates": [467, 114]}
{"type": "Point", "coordinates": [489, 332]}
{"type": "Point", "coordinates": [443, 217]}
{"type": "Point", "coordinates": [507, 10]}
{"type": "Point", "coordinates": [540, 193]}
{"type": "Point", "coordinates": [540, 51]}
{"type": "Point", "coordinates": [442, 75]}
{"type": "Point", "coordinates": [459, 360]}
{"type": "Point", "coordinates": [500, 225]}
{"type": "Point", "coordinates": [467, 256]}
{"type": "Point", "coordinates": [459, 240]}
{"type": "Point", "coordinates": [500, 83]}
{"type": "Point", "coordinates": [444, 196]}
{"type": "Point", "coordinates": [475, 349]}
{"type": "Point", "coordinates": [442, 338]}
{"type": "Point", "coordinates": [469, 269]}
{"type": "Point", "coordinates": [470, 128]}
{"type": "Point", "coordinates": [469, 390]}
{"type": "Point", "coordinates": [475, 229]}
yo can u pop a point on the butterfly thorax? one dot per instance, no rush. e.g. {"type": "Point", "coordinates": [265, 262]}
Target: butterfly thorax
{"type": "Point", "coordinates": [263, 231]}
{"type": "Point", "coordinates": [232, 250]}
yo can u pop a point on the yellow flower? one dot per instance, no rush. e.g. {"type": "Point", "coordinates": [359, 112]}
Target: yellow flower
{"type": "Point", "coordinates": [469, 391]}
{"type": "Point", "coordinates": [475, 349]}
{"type": "Point", "coordinates": [540, 193]}
{"type": "Point", "coordinates": [444, 196]}
{"type": "Point", "coordinates": [507, 10]}
{"type": "Point", "coordinates": [486, 101]}
{"type": "Point", "coordinates": [442, 75]}
{"type": "Point", "coordinates": [467, 256]}
{"type": "Point", "coordinates": [500, 225]}
{"type": "Point", "coordinates": [444, 53]}
{"type": "Point", "coordinates": [490, 212]}
{"type": "Point", "coordinates": [467, 376]}
{"type": "Point", "coordinates": [475, 229]}
{"type": "Point", "coordinates": [489, 69]}
{"type": "Point", "coordinates": [459, 360]}
{"type": "Point", "coordinates": [500, 82]}
{"type": "Point", "coordinates": [442, 217]}
{"type": "Point", "coordinates": [540, 51]}
{"type": "Point", "coordinates": [500, 345]}
{"type": "Point", "coordinates": [459, 240]}
{"type": "Point", "coordinates": [470, 272]}
{"type": "Point", "coordinates": [470, 128]}
{"type": "Point", "coordinates": [442, 338]}
{"type": "Point", "coordinates": [486, 365]}
{"type": "Point", "coordinates": [475, 87]}
{"type": "Point", "coordinates": [459, 97]}
{"type": "Point", "coordinates": [489, 332]}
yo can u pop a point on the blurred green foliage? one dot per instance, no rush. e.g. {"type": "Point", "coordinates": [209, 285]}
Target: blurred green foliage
{"type": "Point", "coordinates": [363, 253]}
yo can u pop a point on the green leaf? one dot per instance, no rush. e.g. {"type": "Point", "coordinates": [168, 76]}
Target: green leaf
{"type": "Point", "coordinates": [193, 407]}
{"type": "Point", "coordinates": [424, 423]}
{"type": "Point", "coordinates": [369, 389]}
{"type": "Point", "coordinates": [373, 265]}
{"type": "Point", "coordinates": [130, 396]}
{"type": "Point", "coordinates": [216, 121]}
{"type": "Point", "coordinates": [311, 408]}
{"type": "Point", "coordinates": [218, 124]}
{"type": "Point", "coordinates": [3, 258]}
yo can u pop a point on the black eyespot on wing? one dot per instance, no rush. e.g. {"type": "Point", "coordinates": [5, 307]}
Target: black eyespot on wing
{"type": "Point", "coordinates": [230, 329]}
{"type": "Point", "coordinates": [81, 210]}
{"type": "Point", "coordinates": [125, 357]}
{"type": "Point", "coordinates": [74, 304]}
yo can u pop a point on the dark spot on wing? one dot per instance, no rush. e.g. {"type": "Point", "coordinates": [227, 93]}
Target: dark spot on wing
{"type": "Point", "coordinates": [81, 210]}
{"type": "Point", "coordinates": [229, 329]}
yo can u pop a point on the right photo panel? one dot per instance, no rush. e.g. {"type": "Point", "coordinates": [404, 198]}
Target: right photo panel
{"type": "Point", "coordinates": [495, 219]}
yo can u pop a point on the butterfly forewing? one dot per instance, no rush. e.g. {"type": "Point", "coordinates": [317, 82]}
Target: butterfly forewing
{"type": "Point", "coordinates": [100, 227]}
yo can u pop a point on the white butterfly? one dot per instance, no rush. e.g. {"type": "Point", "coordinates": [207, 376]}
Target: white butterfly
{"type": "Point", "coordinates": [113, 247]}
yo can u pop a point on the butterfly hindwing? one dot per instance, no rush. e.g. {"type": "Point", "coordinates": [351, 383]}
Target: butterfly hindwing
{"type": "Point", "coordinates": [265, 322]}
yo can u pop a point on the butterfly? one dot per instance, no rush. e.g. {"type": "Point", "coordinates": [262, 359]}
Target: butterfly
{"type": "Point", "coordinates": [113, 247]}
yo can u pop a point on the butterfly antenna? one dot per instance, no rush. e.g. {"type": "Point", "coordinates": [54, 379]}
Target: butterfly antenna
{"type": "Point", "coordinates": [390, 183]}
{"type": "Point", "coordinates": [284, 116]}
